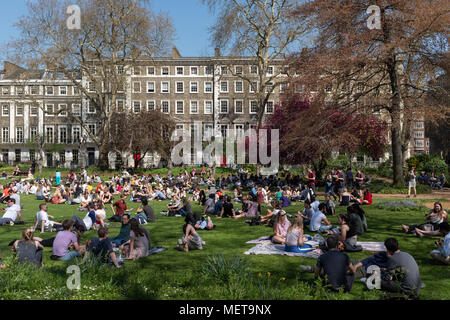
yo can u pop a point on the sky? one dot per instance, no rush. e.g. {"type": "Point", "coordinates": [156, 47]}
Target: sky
{"type": "Point", "coordinates": [190, 18]}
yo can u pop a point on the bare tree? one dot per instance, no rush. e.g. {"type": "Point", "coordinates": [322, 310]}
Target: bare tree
{"type": "Point", "coordinates": [99, 57]}
{"type": "Point", "coordinates": [263, 29]}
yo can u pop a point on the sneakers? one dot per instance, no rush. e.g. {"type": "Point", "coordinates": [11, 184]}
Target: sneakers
{"type": "Point", "coordinates": [306, 268]}
{"type": "Point", "coordinates": [11, 223]}
{"type": "Point", "coordinates": [363, 280]}
{"type": "Point", "coordinates": [164, 213]}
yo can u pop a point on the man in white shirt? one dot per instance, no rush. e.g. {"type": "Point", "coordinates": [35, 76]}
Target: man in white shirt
{"type": "Point", "coordinates": [42, 219]}
{"type": "Point", "coordinates": [319, 221]}
{"type": "Point", "coordinates": [11, 213]}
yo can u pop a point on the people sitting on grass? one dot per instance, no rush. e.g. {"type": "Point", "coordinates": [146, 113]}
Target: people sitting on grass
{"type": "Point", "coordinates": [402, 272]}
{"type": "Point", "coordinates": [227, 209]}
{"type": "Point", "coordinates": [102, 249]}
{"type": "Point", "coordinates": [330, 205]}
{"type": "Point", "coordinates": [12, 212]}
{"type": "Point", "coordinates": [124, 233]}
{"type": "Point", "coordinates": [139, 244]}
{"type": "Point", "coordinates": [209, 205]}
{"type": "Point", "coordinates": [249, 209]}
{"type": "Point", "coordinates": [43, 221]}
{"type": "Point", "coordinates": [367, 199]}
{"type": "Point", "coordinates": [191, 240]}
{"type": "Point", "coordinates": [271, 214]}
{"type": "Point", "coordinates": [219, 205]}
{"type": "Point", "coordinates": [295, 241]}
{"type": "Point", "coordinates": [121, 209]}
{"type": "Point", "coordinates": [307, 213]}
{"type": "Point", "coordinates": [174, 207]}
{"type": "Point", "coordinates": [346, 197]}
{"type": "Point", "coordinates": [285, 200]}
{"type": "Point", "coordinates": [28, 250]}
{"type": "Point", "coordinates": [430, 228]}
{"type": "Point", "coordinates": [319, 221]}
{"type": "Point", "coordinates": [442, 254]}
{"type": "Point", "coordinates": [147, 210]}
{"type": "Point", "coordinates": [280, 228]}
{"type": "Point", "coordinates": [335, 268]}
{"type": "Point", "coordinates": [64, 241]}
{"type": "Point", "coordinates": [89, 220]}
{"type": "Point", "coordinates": [100, 213]}
{"type": "Point", "coordinates": [442, 180]}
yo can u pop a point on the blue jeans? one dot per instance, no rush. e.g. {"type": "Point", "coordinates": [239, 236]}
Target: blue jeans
{"type": "Point", "coordinates": [4, 221]}
{"type": "Point", "coordinates": [117, 241]}
{"type": "Point", "coordinates": [324, 227]}
{"type": "Point", "coordinates": [69, 256]}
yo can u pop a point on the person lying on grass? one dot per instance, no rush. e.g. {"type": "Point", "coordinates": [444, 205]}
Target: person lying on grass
{"type": "Point", "coordinates": [191, 240]}
{"type": "Point", "coordinates": [443, 254]}
{"type": "Point", "coordinates": [42, 220]}
{"type": "Point", "coordinates": [435, 217]}
{"type": "Point", "coordinates": [12, 212]}
{"type": "Point", "coordinates": [101, 248]}
{"type": "Point", "coordinates": [280, 228]}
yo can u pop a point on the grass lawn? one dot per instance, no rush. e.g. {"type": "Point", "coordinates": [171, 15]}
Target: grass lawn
{"type": "Point", "coordinates": [177, 275]}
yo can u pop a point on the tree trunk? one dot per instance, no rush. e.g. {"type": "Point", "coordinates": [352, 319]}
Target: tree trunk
{"type": "Point", "coordinates": [103, 161]}
{"type": "Point", "coordinates": [169, 166]}
{"type": "Point", "coordinates": [83, 157]}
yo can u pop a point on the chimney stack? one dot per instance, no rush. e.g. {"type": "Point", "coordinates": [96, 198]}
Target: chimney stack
{"type": "Point", "coordinates": [217, 52]}
{"type": "Point", "coordinates": [175, 53]}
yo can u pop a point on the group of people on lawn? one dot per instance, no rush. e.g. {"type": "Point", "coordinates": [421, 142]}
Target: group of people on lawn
{"type": "Point", "coordinates": [133, 240]}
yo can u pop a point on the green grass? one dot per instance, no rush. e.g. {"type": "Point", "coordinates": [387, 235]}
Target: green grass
{"type": "Point", "coordinates": [177, 275]}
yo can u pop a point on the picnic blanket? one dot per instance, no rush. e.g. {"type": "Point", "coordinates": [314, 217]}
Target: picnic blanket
{"type": "Point", "coordinates": [372, 246]}
{"type": "Point", "coordinates": [267, 247]}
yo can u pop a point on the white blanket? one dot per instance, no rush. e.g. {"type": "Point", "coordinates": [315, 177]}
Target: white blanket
{"type": "Point", "coordinates": [372, 246]}
{"type": "Point", "coordinates": [267, 247]}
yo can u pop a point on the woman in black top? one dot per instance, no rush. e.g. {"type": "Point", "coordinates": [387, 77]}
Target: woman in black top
{"type": "Point", "coordinates": [228, 210]}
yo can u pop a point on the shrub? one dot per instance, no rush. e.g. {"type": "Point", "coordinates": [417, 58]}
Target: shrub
{"type": "Point", "coordinates": [435, 165]}
{"type": "Point", "coordinates": [342, 161]}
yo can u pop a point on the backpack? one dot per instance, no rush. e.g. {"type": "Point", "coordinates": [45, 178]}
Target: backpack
{"type": "Point", "coordinates": [141, 218]}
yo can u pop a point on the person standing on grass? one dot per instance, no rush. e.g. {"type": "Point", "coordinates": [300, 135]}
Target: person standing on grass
{"type": "Point", "coordinates": [311, 179]}
{"type": "Point", "coordinates": [443, 254]}
{"type": "Point", "coordinates": [412, 182]}
{"type": "Point", "coordinates": [64, 241]}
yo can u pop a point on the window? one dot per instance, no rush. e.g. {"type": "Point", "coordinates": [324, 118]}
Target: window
{"type": "Point", "coordinates": [150, 87]}
{"type": "Point", "coordinates": [283, 87]}
{"type": "Point", "coordinates": [76, 91]}
{"type": "Point", "coordinates": [180, 71]}
{"type": "Point", "coordinates": [60, 108]}
{"type": "Point", "coordinates": [418, 143]}
{"type": "Point", "coordinates": [194, 71]}
{"type": "Point", "coordinates": [49, 90]}
{"type": "Point", "coordinates": [76, 134]}
{"type": "Point", "coordinates": [223, 70]}
{"type": "Point", "coordinates": [209, 70]}
{"type": "Point", "coordinates": [180, 107]}
{"type": "Point", "coordinates": [137, 71]}
{"type": "Point", "coordinates": [32, 153]}
{"type": "Point", "coordinates": [165, 71]}
{"type": "Point", "coordinates": [194, 107]}
{"type": "Point", "coordinates": [179, 87]}
{"type": "Point", "coordinates": [137, 87]}
{"type": "Point", "coordinates": [19, 110]}
{"type": "Point", "coordinates": [223, 106]}
{"type": "Point", "coordinates": [19, 90]}
{"type": "Point", "coordinates": [208, 87]}
{"type": "Point", "coordinates": [253, 70]}
{"type": "Point", "coordinates": [5, 110]}
{"type": "Point", "coordinates": [121, 86]}
{"type": "Point", "coordinates": [34, 90]}
{"type": "Point", "coordinates": [253, 106]}
{"type": "Point", "coordinates": [76, 110]}
{"type": "Point", "coordinates": [208, 107]}
{"type": "Point", "coordinates": [269, 87]}
{"type": "Point", "coordinates": [62, 134]}
{"type": "Point", "coordinates": [238, 70]}
{"type": "Point", "coordinates": [269, 107]}
{"type": "Point", "coordinates": [238, 106]}
{"type": "Point", "coordinates": [5, 135]}
{"type": "Point", "coordinates": [33, 133]}
{"type": "Point", "coordinates": [120, 105]}
{"type": "Point", "coordinates": [90, 107]}
{"type": "Point", "coordinates": [194, 87]}
{"type": "Point", "coordinates": [19, 134]}
{"type": "Point", "coordinates": [62, 157]}
{"type": "Point", "coordinates": [165, 106]}
{"type": "Point", "coordinates": [428, 143]}
{"type": "Point", "coordinates": [18, 155]}
{"type": "Point", "coordinates": [150, 71]}
{"type": "Point", "coordinates": [49, 134]}
{"type": "Point", "coordinates": [63, 91]}
{"type": "Point", "coordinates": [238, 87]}
{"type": "Point", "coordinates": [120, 70]}
{"type": "Point", "coordinates": [49, 111]}
{"type": "Point", "coordinates": [270, 71]}
{"type": "Point", "coordinates": [165, 87]}
{"type": "Point", "coordinates": [224, 130]}
{"type": "Point", "coordinates": [239, 129]}
{"type": "Point", "coordinates": [151, 105]}
{"type": "Point", "coordinates": [253, 86]}
{"type": "Point", "coordinates": [91, 86]}
{"type": "Point", "coordinates": [418, 125]}
{"type": "Point", "coordinates": [224, 86]}
{"type": "Point", "coordinates": [418, 134]}
{"type": "Point", "coordinates": [5, 90]}
{"type": "Point", "coordinates": [92, 129]}
{"type": "Point", "coordinates": [136, 106]}
{"type": "Point", "coordinates": [75, 157]}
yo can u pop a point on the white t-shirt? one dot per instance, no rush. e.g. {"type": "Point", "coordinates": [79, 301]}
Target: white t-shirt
{"type": "Point", "coordinates": [16, 197]}
{"type": "Point", "coordinates": [11, 212]}
{"type": "Point", "coordinates": [101, 213]}
{"type": "Point", "coordinates": [315, 205]}
{"type": "Point", "coordinates": [43, 216]}
{"type": "Point", "coordinates": [316, 220]}
{"type": "Point", "coordinates": [33, 189]}
{"type": "Point", "coordinates": [87, 221]}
